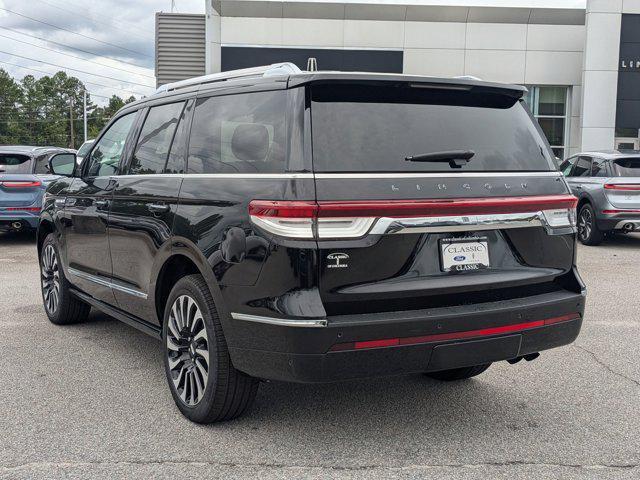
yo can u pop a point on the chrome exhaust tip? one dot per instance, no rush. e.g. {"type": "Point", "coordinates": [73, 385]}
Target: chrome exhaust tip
{"type": "Point", "coordinates": [17, 225]}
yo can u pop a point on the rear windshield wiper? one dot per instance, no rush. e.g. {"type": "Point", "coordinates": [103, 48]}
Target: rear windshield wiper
{"type": "Point", "coordinates": [455, 158]}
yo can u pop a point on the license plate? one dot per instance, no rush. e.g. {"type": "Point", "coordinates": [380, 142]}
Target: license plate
{"type": "Point", "coordinates": [464, 254]}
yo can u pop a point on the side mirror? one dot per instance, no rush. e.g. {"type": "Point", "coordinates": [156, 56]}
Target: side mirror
{"type": "Point", "coordinates": [63, 164]}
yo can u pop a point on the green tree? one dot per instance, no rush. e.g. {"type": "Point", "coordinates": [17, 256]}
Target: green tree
{"type": "Point", "coordinates": [11, 101]}
{"type": "Point", "coordinates": [41, 111]}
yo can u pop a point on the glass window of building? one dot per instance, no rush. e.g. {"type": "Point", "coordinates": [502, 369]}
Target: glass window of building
{"type": "Point", "coordinates": [550, 107]}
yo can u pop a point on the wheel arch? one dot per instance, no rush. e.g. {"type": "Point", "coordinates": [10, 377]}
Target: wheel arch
{"type": "Point", "coordinates": [184, 260]}
{"type": "Point", "coordinates": [45, 227]}
{"type": "Point", "coordinates": [584, 200]}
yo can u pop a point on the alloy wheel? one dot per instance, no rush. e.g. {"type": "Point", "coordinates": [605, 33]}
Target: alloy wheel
{"type": "Point", "coordinates": [50, 279]}
{"type": "Point", "coordinates": [188, 350]}
{"type": "Point", "coordinates": [585, 224]}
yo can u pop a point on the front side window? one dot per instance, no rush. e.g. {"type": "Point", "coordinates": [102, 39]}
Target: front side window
{"type": "Point", "coordinates": [105, 156]}
{"type": "Point", "coordinates": [567, 165]}
{"type": "Point", "coordinates": [244, 133]}
{"type": "Point", "coordinates": [154, 142]}
{"type": "Point", "coordinates": [15, 163]}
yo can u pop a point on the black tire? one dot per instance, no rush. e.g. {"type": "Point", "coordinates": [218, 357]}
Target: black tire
{"type": "Point", "coordinates": [459, 373]}
{"type": "Point", "coordinates": [223, 393]}
{"type": "Point", "coordinates": [66, 309]}
{"type": "Point", "coordinates": [588, 231]}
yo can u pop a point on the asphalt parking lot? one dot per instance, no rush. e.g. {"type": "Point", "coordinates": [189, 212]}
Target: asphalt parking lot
{"type": "Point", "coordinates": [90, 401]}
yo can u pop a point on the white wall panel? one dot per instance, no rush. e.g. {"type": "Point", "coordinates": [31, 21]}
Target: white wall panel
{"type": "Point", "coordinates": [600, 110]}
{"type": "Point", "coordinates": [434, 62]}
{"type": "Point", "coordinates": [251, 31]}
{"type": "Point", "coordinates": [496, 36]}
{"type": "Point", "coordinates": [496, 65]}
{"type": "Point", "coordinates": [603, 42]}
{"type": "Point", "coordinates": [434, 35]}
{"type": "Point", "coordinates": [312, 32]}
{"type": "Point", "coordinates": [553, 68]}
{"type": "Point", "coordinates": [372, 33]}
{"type": "Point", "coordinates": [569, 38]}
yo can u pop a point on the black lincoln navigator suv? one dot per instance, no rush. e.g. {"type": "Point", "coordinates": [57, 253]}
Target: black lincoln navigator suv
{"type": "Point", "coordinates": [313, 227]}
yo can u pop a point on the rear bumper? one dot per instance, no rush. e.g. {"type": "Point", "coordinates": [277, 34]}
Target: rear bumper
{"type": "Point", "coordinates": [619, 221]}
{"type": "Point", "coordinates": [496, 331]}
{"type": "Point", "coordinates": [28, 220]}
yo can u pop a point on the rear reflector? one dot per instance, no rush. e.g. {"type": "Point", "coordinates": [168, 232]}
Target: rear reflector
{"type": "Point", "coordinates": [613, 212]}
{"type": "Point", "coordinates": [21, 209]}
{"type": "Point", "coordinates": [21, 184]}
{"type": "Point", "coordinates": [622, 186]}
{"type": "Point", "coordinates": [443, 337]}
{"type": "Point", "coordinates": [352, 219]}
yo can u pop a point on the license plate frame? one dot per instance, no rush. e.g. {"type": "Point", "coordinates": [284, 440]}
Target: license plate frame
{"type": "Point", "coordinates": [475, 254]}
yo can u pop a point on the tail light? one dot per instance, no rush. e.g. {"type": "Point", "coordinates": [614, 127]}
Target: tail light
{"type": "Point", "coordinates": [21, 184]}
{"type": "Point", "coordinates": [622, 186]}
{"type": "Point", "coordinates": [353, 219]}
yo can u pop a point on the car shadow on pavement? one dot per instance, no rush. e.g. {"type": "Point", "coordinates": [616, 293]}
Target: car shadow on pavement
{"type": "Point", "coordinates": [622, 240]}
{"type": "Point", "coordinates": [387, 404]}
{"type": "Point", "coordinates": [17, 238]}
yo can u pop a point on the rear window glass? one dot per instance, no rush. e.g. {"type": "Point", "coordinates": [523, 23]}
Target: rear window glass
{"type": "Point", "coordinates": [243, 133]}
{"type": "Point", "coordinates": [360, 128]}
{"type": "Point", "coordinates": [12, 163]}
{"type": "Point", "coordinates": [627, 167]}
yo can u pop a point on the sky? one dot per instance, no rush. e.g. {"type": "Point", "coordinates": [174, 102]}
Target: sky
{"type": "Point", "coordinates": [109, 44]}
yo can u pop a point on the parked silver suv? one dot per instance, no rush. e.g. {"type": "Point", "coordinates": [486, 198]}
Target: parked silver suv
{"type": "Point", "coordinates": [607, 185]}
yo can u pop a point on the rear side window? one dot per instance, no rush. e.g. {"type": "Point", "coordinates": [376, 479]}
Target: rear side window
{"type": "Point", "coordinates": [599, 168]}
{"type": "Point", "coordinates": [582, 168]}
{"type": "Point", "coordinates": [243, 133]}
{"type": "Point", "coordinates": [14, 163]}
{"type": "Point", "coordinates": [373, 129]}
{"type": "Point", "coordinates": [625, 167]}
{"type": "Point", "coordinates": [152, 150]}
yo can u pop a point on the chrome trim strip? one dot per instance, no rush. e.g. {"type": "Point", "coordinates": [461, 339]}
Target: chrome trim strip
{"type": "Point", "coordinates": [221, 175]}
{"type": "Point", "coordinates": [327, 176]}
{"type": "Point", "coordinates": [107, 283]}
{"type": "Point", "coordinates": [466, 223]}
{"type": "Point", "coordinates": [283, 322]}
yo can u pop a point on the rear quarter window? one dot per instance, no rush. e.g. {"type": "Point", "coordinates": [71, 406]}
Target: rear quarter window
{"type": "Point", "coordinates": [243, 133]}
{"type": "Point", "coordinates": [15, 163]}
{"type": "Point", "coordinates": [374, 128]}
{"type": "Point", "coordinates": [627, 167]}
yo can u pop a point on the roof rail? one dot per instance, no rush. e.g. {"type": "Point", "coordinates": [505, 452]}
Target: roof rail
{"type": "Point", "coordinates": [276, 69]}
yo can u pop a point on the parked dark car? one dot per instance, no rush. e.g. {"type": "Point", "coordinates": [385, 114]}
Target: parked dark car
{"type": "Point", "coordinates": [419, 226]}
{"type": "Point", "coordinates": [25, 173]}
{"type": "Point", "coordinates": [607, 185]}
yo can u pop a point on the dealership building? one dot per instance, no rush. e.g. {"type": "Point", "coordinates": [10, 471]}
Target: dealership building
{"type": "Point", "coordinates": [581, 66]}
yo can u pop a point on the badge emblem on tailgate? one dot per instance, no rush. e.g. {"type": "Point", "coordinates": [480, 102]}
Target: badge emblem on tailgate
{"type": "Point", "coordinates": [337, 260]}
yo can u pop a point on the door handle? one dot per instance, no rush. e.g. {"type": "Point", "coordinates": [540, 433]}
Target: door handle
{"type": "Point", "coordinates": [158, 207]}
{"type": "Point", "coordinates": [101, 204]}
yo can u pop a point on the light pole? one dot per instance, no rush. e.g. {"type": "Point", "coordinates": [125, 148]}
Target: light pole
{"type": "Point", "coordinates": [84, 110]}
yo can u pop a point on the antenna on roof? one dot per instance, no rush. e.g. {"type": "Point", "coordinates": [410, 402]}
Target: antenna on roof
{"type": "Point", "coordinates": [312, 64]}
